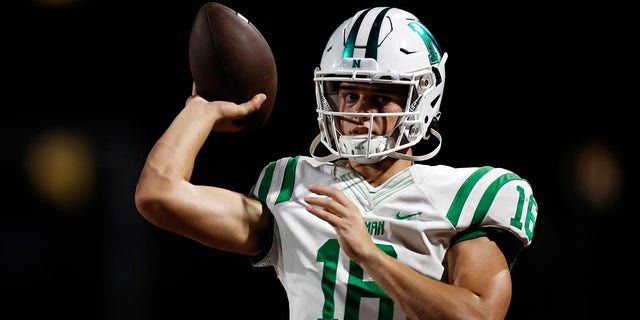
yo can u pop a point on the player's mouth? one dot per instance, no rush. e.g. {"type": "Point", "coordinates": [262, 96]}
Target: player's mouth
{"type": "Point", "coordinates": [359, 131]}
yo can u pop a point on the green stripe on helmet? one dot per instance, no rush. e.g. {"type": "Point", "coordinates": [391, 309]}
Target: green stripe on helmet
{"type": "Point", "coordinates": [374, 35]}
{"type": "Point", "coordinates": [351, 39]}
{"type": "Point", "coordinates": [429, 40]}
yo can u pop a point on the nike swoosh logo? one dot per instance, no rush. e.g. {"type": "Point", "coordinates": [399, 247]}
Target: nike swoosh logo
{"type": "Point", "coordinates": [407, 216]}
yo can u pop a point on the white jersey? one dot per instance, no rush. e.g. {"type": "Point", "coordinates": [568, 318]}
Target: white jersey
{"type": "Point", "coordinates": [414, 217]}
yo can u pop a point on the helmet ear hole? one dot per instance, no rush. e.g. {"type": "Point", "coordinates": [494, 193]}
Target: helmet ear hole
{"type": "Point", "coordinates": [438, 76]}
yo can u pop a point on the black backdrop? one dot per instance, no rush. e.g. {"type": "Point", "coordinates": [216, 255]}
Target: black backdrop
{"type": "Point", "coordinates": [530, 85]}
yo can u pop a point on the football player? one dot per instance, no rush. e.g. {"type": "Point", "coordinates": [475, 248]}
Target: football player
{"type": "Point", "coordinates": [359, 228]}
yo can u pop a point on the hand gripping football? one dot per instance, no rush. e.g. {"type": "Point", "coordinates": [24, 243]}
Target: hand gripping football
{"type": "Point", "coordinates": [230, 60]}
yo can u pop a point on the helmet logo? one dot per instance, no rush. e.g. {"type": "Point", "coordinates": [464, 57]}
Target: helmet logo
{"type": "Point", "coordinates": [432, 45]}
{"type": "Point", "coordinates": [413, 105]}
{"type": "Point", "coordinates": [355, 63]}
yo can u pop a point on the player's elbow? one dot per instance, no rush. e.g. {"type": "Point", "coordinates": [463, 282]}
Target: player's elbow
{"type": "Point", "coordinates": [147, 203]}
{"type": "Point", "coordinates": [152, 198]}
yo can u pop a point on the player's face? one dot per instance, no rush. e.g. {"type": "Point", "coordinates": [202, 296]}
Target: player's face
{"type": "Point", "coordinates": [370, 98]}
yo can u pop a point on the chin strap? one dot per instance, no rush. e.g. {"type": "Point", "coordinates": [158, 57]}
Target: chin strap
{"type": "Point", "coordinates": [396, 155]}
{"type": "Point", "coordinates": [312, 149]}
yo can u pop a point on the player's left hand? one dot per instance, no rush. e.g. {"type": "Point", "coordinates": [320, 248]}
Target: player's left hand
{"type": "Point", "coordinates": [333, 206]}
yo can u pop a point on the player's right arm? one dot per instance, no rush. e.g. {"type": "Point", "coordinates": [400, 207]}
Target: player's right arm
{"type": "Point", "coordinates": [216, 217]}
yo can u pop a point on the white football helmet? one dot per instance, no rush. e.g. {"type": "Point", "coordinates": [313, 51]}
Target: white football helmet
{"type": "Point", "coordinates": [389, 46]}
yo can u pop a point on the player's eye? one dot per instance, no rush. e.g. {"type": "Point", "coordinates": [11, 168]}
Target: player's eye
{"type": "Point", "coordinates": [382, 101]}
{"type": "Point", "coordinates": [350, 98]}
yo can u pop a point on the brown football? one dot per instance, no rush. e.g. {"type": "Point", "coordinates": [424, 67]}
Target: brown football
{"type": "Point", "coordinates": [231, 60]}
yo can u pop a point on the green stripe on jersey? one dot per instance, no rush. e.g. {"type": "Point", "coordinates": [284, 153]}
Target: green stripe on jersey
{"type": "Point", "coordinates": [463, 193]}
{"type": "Point", "coordinates": [286, 190]}
{"type": "Point", "coordinates": [489, 195]}
{"type": "Point", "coordinates": [266, 182]}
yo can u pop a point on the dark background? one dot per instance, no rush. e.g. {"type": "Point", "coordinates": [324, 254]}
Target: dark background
{"type": "Point", "coordinates": [543, 88]}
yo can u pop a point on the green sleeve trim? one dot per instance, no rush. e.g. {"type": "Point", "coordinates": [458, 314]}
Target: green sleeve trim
{"type": "Point", "coordinates": [508, 243]}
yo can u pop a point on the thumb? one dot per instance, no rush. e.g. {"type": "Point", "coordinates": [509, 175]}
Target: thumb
{"type": "Point", "coordinates": [256, 101]}
{"type": "Point", "coordinates": [259, 98]}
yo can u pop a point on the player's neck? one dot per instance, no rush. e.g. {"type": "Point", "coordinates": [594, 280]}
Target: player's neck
{"type": "Point", "coordinates": [377, 173]}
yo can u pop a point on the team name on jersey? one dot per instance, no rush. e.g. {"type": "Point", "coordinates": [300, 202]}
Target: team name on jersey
{"type": "Point", "coordinates": [376, 228]}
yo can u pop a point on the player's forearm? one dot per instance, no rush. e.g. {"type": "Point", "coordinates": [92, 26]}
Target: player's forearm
{"type": "Point", "coordinates": [170, 163]}
{"type": "Point", "coordinates": [175, 152]}
{"type": "Point", "coordinates": [419, 296]}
